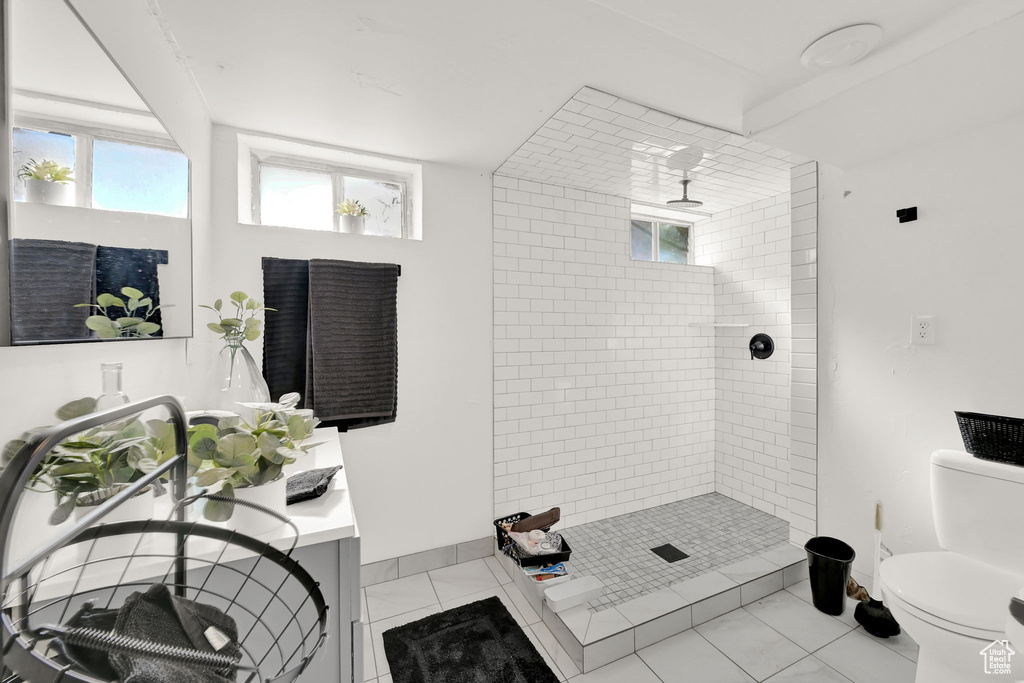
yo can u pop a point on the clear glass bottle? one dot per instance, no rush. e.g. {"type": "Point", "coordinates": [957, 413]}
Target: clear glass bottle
{"type": "Point", "coordinates": [239, 379]}
{"type": "Point", "coordinates": [112, 396]}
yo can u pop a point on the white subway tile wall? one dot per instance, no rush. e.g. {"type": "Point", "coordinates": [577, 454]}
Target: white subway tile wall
{"type": "Point", "coordinates": [603, 394]}
{"type": "Point", "coordinates": [749, 248]}
{"type": "Point", "coordinates": [803, 483]}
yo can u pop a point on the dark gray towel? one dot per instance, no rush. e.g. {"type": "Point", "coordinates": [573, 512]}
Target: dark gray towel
{"type": "Point", "coordinates": [48, 278]}
{"type": "Point", "coordinates": [309, 485]}
{"type": "Point", "coordinates": [286, 288]}
{"type": "Point", "coordinates": [353, 341]}
{"type": "Point", "coordinates": [161, 617]}
{"type": "Point", "coordinates": [118, 267]}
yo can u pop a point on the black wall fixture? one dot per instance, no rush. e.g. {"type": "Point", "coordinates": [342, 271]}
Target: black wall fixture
{"type": "Point", "coordinates": [906, 215]}
{"type": "Point", "coordinates": [761, 346]}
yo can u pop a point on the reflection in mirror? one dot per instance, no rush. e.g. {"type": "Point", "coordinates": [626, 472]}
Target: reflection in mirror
{"type": "Point", "coordinates": [100, 236]}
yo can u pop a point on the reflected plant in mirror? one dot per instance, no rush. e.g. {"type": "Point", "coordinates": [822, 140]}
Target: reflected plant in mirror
{"type": "Point", "coordinates": [46, 181]}
{"type": "Point", "coordinates": [134, 321]}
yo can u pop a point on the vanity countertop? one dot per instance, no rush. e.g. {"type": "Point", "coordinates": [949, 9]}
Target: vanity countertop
{"type": "Point", "coordinates": [331, 516]}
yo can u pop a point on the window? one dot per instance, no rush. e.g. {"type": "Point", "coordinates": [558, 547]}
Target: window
{"type": "Point", "coordinates": [112, 171]}
{"type": "Point", "coordinates": [298, 193]}
{"type": "Point", "coordinates": [653, 240]}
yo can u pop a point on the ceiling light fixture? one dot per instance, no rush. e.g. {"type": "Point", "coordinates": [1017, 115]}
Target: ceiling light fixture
{"type": "Point", "coordinates": [685, 202]}
{"type": "Point", "coordinates": [842, 47]}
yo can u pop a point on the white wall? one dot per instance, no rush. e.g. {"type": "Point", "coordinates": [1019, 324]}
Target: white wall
{"type": "Point", "coordinates": [604, 396]}
{"type": "Point", "coordinates": [423, 481]}
{"type": "Point", "coordinates": [885, 405]}
{"type": "Point", "coordinates": [749, 248]}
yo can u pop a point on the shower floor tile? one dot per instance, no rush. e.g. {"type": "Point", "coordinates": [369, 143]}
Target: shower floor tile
{"type": "Point", "coordinates": [714, 530]}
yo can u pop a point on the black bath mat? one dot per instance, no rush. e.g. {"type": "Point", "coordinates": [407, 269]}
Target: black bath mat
{"type": "Point", "coordinates": [469, 644]}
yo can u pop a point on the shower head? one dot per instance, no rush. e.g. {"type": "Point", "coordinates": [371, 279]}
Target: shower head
{"type": "Point", "coordinates": [685, 202]}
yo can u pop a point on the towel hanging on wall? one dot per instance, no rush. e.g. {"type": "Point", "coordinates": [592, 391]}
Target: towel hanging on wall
{"type": "Point", "coordinates": [334, 339]}
{"type": "Point", "coordinates": [353, 341]}
{"type": "Point", "coordinates": [286, 288]}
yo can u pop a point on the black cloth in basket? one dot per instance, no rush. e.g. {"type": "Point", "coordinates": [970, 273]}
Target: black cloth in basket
{"type": "Point", "coordinates": [521, 558]}
{"type": "Point", "coordinates": [993, 437]}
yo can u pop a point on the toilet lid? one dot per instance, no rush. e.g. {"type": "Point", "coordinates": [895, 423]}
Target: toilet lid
{"type": "Point", "coordinates": [952, 587]}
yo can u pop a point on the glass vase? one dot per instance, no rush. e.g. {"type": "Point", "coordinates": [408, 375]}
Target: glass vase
{"type": "Point", "coordinates": [238, 378]}
{"type": "Point", "coordinates": [112, 395]}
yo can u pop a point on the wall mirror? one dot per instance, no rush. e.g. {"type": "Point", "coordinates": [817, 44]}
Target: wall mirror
{"type": "Point", "coordinates": [99, 234]}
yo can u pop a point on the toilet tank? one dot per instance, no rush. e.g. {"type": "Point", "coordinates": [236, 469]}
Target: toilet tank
{"type": "Point", "coordinates": [978, 507]}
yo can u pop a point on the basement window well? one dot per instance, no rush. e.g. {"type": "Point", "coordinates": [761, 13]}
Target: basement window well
{"type": "Point", "coordinates": [296, 185]}
{"type": "Point", "coordinates": [651, 239]}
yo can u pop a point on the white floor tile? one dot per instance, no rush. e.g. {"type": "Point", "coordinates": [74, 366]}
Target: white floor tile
{"type": "Point", "coordinates": [798, 621]}
{"type": "Point", "coordinates": [566, 667]}
{"type": "Point", "coordinates": [378, 628]}
{"type": "Point", "coordinates": [497, 592]}
{"type": "Point", "coordinates": [757, 649]}
{"type": "Point", "coordinates": [385, 600]}
{"type": "Point", "coordinates": [364, 616]}
{"type": "Point", "coordinates": [500, 575]}
{"type": "Point", "coordinates": [462, 579]}
{"type": "Point", "coordinates": [521, 603]}
{"type": "Point", "coordinates": [862, 660]}
{"type": "Point", "coordinates": [704, 586]}
{"type": "Point", "coordinates": [748, 569]}
{"type": "Point", "coordinates": [802, 590]}
{"type": "Point", "coordinates": [605, 623]}
{"type": "Point", "coordinates": [688, 657]}
{"type": "Point", "coordinates": [630, 669]}
{"type": "Point", "coordinates": [809, 670]}
{"type": "Point", "coordinates": [902, 644]}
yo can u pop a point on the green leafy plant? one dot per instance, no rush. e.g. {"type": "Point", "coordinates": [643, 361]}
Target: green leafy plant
{"type": "Point", "coordinates": [134, 323]}
{"type": "Point", "coordinates": [244, 321]}
{"type": "Point", "coordinates": [351, 207]}
{"type": "Point", "coordinates": [89, 467]}
{"type": "Point", "coordinates": [237, 453]}
{"type": "Point", "coordinates": [47, 170]}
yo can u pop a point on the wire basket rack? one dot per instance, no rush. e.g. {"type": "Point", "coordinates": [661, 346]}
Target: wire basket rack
{"type": "Point", "coordinates": [61, 604]}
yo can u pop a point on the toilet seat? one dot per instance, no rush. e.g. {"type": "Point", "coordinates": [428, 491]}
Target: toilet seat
{"type": "Point", "coordinates": [951, 591]}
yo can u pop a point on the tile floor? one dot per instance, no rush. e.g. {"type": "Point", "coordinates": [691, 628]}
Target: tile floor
{"type": "Point", "coordinates": [780, 638]}
{"type": "Point", "coordinates": [712, 529]}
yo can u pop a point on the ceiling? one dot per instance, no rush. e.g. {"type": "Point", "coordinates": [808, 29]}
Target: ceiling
{"type": "Point", "coordinates": [600, 142]}
{"type": "Point", "coordinates": [466, 82]}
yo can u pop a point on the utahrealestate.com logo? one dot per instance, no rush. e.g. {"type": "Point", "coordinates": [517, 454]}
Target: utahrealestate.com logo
{"type": "Point", "coordinates": [997, 658]}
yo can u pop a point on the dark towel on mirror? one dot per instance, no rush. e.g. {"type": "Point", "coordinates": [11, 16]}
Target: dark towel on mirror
{"type": "Point", "coordinates": [118, 267]}
{"type": "Point", "coordinates": [353, 342]}
{"type": "Point", "coordinates": [48, 278]}
{"type": "Point", "coordinates": [286, 288]}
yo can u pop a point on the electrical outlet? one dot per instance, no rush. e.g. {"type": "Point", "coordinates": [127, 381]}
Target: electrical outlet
{"type": "Point", "coordinates": [922, 329]}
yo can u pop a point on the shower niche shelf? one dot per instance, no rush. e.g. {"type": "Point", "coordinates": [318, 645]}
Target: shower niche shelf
{"type": "Point", "coordinates": [719, 324]}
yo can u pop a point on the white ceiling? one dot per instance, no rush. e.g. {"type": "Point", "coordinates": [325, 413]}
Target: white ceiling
{"type": "Point", "coordinates": [599, 142]}
{"type": "Point", "coordinates": [466, 82]}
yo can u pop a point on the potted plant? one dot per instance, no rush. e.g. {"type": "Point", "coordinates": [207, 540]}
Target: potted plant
{"type": "Point", "coordinates": [236, 378]}
{"type": "Point", "coordinates": [89, 468]}
{"type": "Point", "coordinates": [133, 323]}
{"type": "Point", "coordinates": [46, 182]}
{"type": "Point", "coordinates": [246, 458]}
{"type": "Point", "coordinates": [353, 216]}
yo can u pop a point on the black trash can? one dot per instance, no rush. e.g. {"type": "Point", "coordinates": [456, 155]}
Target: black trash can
{"type": "Point", "coordinates": [829, 562]}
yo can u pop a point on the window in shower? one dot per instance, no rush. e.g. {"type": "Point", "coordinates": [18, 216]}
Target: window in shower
{"type": "Point", "coordinates": [653, 240]}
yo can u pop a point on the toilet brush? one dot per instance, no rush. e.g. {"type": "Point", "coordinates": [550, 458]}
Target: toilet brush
{"type": "Point", "coordinates": [870, 613]}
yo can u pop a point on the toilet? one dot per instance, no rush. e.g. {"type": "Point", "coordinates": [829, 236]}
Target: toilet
{"type": "Point", "coordinates": [955, 602]}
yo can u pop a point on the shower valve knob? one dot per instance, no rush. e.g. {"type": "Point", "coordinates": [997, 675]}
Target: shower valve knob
{"type": "Point", "coordinates": [761, 346]}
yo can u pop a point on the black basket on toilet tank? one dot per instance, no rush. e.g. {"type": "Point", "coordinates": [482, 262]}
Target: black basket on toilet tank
{"type": "Point", "coordinates": [993, 437]}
